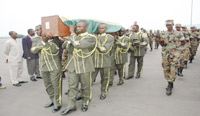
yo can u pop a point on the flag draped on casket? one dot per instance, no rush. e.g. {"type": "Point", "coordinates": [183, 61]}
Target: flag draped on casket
{"type": "Point", "coordinates": [93, 25]}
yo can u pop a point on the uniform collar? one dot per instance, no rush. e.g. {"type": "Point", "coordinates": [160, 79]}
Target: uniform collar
{"type": "Point", "coordinates": [136, 32]}
{"type": "Point", "coordinates": [83, 34]}
{"type": "Point", "coordinates": [103, 34]}
{"type": "Point", "coordinates": [121, 37]}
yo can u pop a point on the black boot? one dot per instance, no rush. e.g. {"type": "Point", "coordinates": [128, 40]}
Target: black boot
{"type": "Point", "coordinates": [191, 58]}
{"type": "Point", "coordinates": [185, 64]}
{"type": "Point", "coordinates": [169, 88]}
{"type": "Point", "coordinates": [180, 70]}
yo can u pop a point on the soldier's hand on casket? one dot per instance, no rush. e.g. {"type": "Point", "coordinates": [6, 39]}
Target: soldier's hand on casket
{"type": "Point", "coordinates": [44, 37]}
{"type": "Point", "coordinates": [76, 43]}
{"type": "Point", "coordinates": [49, 35]}
{"type": "Point", "coordinates": [72, 29]}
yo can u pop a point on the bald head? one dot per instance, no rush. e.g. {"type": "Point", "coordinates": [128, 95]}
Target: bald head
{"type": "Point", "coordinates": [85, 23]}
{"type": "Point", "coordinates": [13, 34]}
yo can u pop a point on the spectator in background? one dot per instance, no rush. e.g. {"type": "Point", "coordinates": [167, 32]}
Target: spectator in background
{"type": "Point", "coordinates": [32, 59]}
{"type": "Point", "coordinates": [13, 50]}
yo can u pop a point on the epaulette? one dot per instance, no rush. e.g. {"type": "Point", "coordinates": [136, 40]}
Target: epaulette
{"type": "Point", "coordinates": [92, 35]}
{"type": "Point", "coordinates": [110, 35]}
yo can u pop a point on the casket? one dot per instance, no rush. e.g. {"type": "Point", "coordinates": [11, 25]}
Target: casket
{"type": "Point", "coordinates": [55, 26]}
{"type": "Point", "coordinates": [58, 27]}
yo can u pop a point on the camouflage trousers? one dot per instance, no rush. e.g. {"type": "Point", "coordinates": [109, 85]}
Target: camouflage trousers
{"type": "Point", "coordinates": [170, 66]}
{"type": "Point", "coordinates": [187, 54]}
{"type": "Point", "coordinates": [193, 50]}
{"type": "Point", "coordinates": [184, 56]}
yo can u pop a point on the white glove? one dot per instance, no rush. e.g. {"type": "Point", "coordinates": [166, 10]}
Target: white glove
{"type": "Point", "coordinates": [76, 43]}
{"type": "Point", "coordinates": [123, 44]}
{"type": "Point", "coordinates": [102, 49]}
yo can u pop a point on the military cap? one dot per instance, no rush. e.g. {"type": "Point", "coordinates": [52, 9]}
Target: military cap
{"type": "Point", "coordinates": [169, 22]}
{"type": "Point", "coordinates": [178, 25]}
{"type": "Point", "coordinates": [184, 27]}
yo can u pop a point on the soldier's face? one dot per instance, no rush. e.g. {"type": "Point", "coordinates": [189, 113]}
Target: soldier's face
{"type": "Point", "coordinates": [122, 32]}
{"type": "Point", "coordinates": [135, 29]}
{"type": "Point", "coordinates": [38, 30]}
{"type": "Point", "coordinates": [193, 29]}
{"type": "Point", "coordinates": [169, 26]}
{"type": "Point", "coordinates": [178, 28]}
{"type": "Point", "coordinates": [81, 27]}
{"type": "Point", "coordinates": [102, 29]}
{"type": "Point", "coordinates": [184, 29]}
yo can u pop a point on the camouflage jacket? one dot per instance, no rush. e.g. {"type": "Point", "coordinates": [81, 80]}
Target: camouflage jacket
{"type": "Point", "coordinates": [171, 43]}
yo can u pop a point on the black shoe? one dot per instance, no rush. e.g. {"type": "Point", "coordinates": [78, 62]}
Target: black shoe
{"type": "Point", "coordinates": [63, 74]}
{"type": "Point", "coordinates": [84, 108]}
{"type": "Point", "coordinates": [137, 76]}
{"type": "Point", "coordinates": [130, 77]}
{"type": "Point", "coordinates": [67, 111]}
{"type": "Point", "coordinates": [38, 77]}
{"type": "Point", "coordinates": [191, 58]}
{"type": "Point", "coordinates": [23, 81]}
{"type": "Point", "coordinates": [169, 89]}
{"type": "Point", "coordinates": [102, 96]}
{"type": "Point", "coordinates": [17, 85]}
{"type": "Point", "coordinates": [56, 109]}
{"type": "Point", "coordinates": [110, 84]}
{"type": "Point", "coordinates": [66, 93]}
{"type": "Point", "coordinates": [120, 83]}
{"type": "Point", "coordinates": [180, 70]}
{"type": "Point", "coordinates": [185, 65]}
{"type": "Point", "coordinates": [33, 78]}
{"type": "Point", "coordinates": [78, 98]}
{"type": "Point", "coordinates": [115, 72]}
{"type": "Point", "coordinates": [48, 105]}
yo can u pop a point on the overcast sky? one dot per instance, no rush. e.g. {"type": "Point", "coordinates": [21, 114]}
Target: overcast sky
{"type": "Point", "coordinates": [20, 15]}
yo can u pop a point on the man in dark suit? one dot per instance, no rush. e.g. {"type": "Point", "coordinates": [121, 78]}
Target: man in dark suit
{"type": "Point", "coordinates": [32, 59]}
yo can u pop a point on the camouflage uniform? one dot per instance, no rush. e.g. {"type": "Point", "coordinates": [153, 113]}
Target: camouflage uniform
{"type": "Point", "coordinates": [187, 46]}
{"type": "Point", "coordinates": [156, 39]}
{"type": "Point", "coordinates": [194, 36]}
{"type": "Point", "coordinates": [170, 53]}
{"type": "Point", "coordinates": [150, 36]}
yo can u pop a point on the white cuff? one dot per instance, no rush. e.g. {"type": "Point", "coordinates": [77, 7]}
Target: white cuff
{"type": "Point", "coordinates": [43, 43]}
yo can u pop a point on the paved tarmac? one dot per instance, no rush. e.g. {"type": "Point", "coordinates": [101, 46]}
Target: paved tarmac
{"type": "Point", "coordinates": [137, 97]}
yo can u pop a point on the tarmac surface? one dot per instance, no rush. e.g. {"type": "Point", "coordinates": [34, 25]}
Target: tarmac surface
{"type": "Point", "coordinates": [136, 97]}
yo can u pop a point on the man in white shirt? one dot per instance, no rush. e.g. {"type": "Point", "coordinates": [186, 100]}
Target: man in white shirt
{"type": "Point", "coordinates": [13, 50]}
